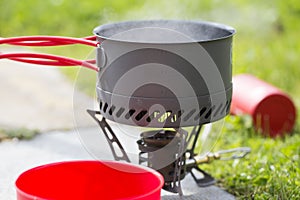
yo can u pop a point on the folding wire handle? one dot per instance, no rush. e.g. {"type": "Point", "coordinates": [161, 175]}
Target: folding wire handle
{"type": "Point", "coordinates": [48, 59]}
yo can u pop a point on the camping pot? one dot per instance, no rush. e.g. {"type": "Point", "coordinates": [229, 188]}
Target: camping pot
{"type": "Point", "coordinates": [164, 73]}
{"type": "Point", "coordinates": [156, 73]}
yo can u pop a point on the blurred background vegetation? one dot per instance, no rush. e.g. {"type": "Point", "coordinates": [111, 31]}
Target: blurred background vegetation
{"type": "Point", "coordinates": [266, 45]}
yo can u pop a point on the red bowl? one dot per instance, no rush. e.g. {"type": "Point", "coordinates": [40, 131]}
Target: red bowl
{"type": "Point", "coordinates": [83, 180]}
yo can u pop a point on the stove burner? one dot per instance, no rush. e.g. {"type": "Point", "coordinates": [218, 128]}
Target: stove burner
{"type": "Point", "coordinates": [151, 143]}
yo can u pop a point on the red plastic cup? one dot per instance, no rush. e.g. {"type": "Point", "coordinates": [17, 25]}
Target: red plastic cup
{"type": "Point", "coordinates": [273, 112]}
{"type": "Point", "coordinates": [87, 180]}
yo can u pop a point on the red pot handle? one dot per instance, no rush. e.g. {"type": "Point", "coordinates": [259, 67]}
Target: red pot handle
{"type": "Point", "coordinates": [48, 59]}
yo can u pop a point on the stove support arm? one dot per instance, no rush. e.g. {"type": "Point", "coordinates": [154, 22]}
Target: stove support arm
{"type": "Point", "coordinates": [107, 130]}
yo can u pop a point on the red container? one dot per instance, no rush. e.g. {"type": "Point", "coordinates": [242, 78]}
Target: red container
{"type": "Point", "coordinates": [272, 110]}
{"type": "Point", "coordinates": [88, 180]}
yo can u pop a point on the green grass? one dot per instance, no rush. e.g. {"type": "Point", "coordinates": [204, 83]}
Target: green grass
{"type": "Point", "coordinates": [270, 171]}
{"type": "Point", "coordinates": [21, 133]}
{"type": "Point", "coordinates": [266, 45]}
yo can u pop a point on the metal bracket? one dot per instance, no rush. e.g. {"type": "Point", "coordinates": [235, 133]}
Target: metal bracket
{"type": "Point", "coordinates": [204, 181]}
{"type": "Point", "coordinates": [176, 184]}
{"type": "Point", "coordinates": [110, 136]}
{"type": "Point", "coordinates": [195, 133]}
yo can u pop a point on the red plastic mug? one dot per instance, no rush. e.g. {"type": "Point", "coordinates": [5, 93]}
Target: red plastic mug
{"type": "Point", "coordinates": [84, 180]}
{"type": "Point", "coordinates": [272, 111]}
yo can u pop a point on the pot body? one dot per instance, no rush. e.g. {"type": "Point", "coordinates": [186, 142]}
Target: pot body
{"type": "Point", "coordinates": [155, 74]}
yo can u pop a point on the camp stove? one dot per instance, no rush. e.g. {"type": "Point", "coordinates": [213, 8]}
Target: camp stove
{"type": "Point", "coordinates": [162, 80]}
{"type": "Point", "coordinates": [168, 78]}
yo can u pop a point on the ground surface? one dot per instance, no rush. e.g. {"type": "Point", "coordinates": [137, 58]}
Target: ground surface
{"type": "Point", "coordinates": [18, 156]}
{"type": "Point", "coordinates": [38, 97]}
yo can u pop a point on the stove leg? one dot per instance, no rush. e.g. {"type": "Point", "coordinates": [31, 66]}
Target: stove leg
{"type": "Point", "coordinates": [204, 181]}
{"type": "Point", "coordinates": [111, 140]}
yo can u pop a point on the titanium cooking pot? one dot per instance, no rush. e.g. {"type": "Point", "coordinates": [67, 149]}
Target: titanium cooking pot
{"type": "Point", "coordinates": [164, 73]}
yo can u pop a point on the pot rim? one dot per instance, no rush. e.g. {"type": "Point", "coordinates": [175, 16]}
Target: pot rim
{"type": "Point", "coordinates": [229, 31]}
